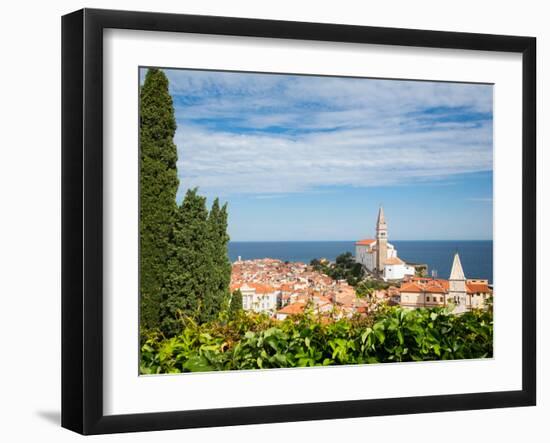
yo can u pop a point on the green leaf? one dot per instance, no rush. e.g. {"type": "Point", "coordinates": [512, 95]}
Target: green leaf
{"type": "Point", "coordinates": [380, 335]}
{"type": "Point", "coordinates": [365, 334]}
{"type": "Point", "coordinates": [197, 364]}
{"type": "Point", "coordinates": [400, 336]}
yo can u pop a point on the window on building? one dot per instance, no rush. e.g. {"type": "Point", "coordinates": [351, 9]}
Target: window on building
{"type": "Point", "coordinates": [428, 298]}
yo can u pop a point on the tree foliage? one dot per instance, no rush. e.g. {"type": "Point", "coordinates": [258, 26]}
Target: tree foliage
{"type": "Point", "coordinates": [344, 268]}
{"type": "Point", "coordinates": [366, 288]}
{"type": "Point", "coordinates": [236, 304]}
{"type": "Point", "coordinates": [158, 187]}
{"type": "Point", "coordinates": [184, 268]}
{"type": "Point", "coordinates": [198, 270]}
{"type": "Point", "coordinates": [189, 264]}
{"type": "Point", "coordinates": [220, 275]}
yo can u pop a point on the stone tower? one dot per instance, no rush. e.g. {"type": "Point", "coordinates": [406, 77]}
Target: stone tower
{"type": "Point", "coordinates": [457, 286]}
{"type": "Point", "coordinates": [381, 241]}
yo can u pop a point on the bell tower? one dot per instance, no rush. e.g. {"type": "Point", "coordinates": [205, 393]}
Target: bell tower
{"type": "Point", "coordinates": [457, 286]}
{"type": "Point", "coordinates": [381, 241]}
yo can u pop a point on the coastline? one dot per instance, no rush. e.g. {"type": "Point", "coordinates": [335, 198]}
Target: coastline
{"type": "Point", "coordinates": [477, 255]}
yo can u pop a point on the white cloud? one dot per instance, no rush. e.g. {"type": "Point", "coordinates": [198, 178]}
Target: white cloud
{"type": "Point", "coordinates": [227, 163]}
{"type": "Point", "coordinates": [334, 132]}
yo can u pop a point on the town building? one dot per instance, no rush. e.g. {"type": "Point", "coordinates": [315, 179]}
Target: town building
{"type": "Point", "coordinates": [379, 256]}
{"type": "Point", "coordinates": [463, 293]}
{"type": "Point", "coordinates": [259, 297]}
{"type": "Point", "coordinates": [291, 309]}
{"type": "Point", "coordinates": [281, 289]}
{"type": "Point", "coordinates": [318, 304]}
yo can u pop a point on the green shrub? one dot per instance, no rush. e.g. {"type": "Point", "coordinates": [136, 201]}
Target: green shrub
{"type": "Point", "coordinates": [254, 341]}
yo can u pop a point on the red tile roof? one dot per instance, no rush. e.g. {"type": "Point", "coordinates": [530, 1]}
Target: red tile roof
{"type": "Point", "coordinates": [292, 309]}
{"type": "Point", "coordinates": [411, 287]}
{"type": "Point", "coordinates": [418, 284]}
{"type": "Point", "coordinates": [365, 242]}
{"type": "Point", "coordinates": [435, 287]}
{"type": "Point", "coordinates": [261, 289]}
{"type": "Point", "coordinates": [473, 288]}
{"type": "Point", "coordinates": [322, 298]}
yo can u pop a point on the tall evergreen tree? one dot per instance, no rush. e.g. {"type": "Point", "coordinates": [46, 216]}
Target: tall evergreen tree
{"type": "Point", "coordinates": [198, 270]}
{"type": "Point", "coordinates": [188, 281]}
{"type": "Point", "coordinates": [221, 270]}
{"type": "Point", "coordinates": [236, 304]}
{"type": "Point", "coordinates": [158, 187]}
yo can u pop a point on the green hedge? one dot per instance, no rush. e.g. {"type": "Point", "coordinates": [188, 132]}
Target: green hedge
{"type": "Point", "coordinates": [252, 341]}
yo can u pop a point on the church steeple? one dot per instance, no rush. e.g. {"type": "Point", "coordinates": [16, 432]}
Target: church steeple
{"type": "Point", "coordinates": [457, 294]}
{"type": "Point", "coordinates": [457, 273]}
{"type": "Point", "coordinates": [381, 219]}
{"type": "Point", "coordinates": [381, 226]}
{"type": "Point", "coordinates": [381, 240]}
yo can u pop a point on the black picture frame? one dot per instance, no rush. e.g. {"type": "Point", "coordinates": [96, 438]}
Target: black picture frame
{"type": "Point", "coordinates": [82, 218]}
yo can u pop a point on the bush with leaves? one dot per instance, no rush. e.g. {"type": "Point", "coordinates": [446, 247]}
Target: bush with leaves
{"type": "Point", "coordinates": [255, 341]}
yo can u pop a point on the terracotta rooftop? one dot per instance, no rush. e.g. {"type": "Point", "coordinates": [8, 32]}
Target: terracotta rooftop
{"type": "Point", "coordinates": [261, 289]}
{"type": "Point", "coordinates": [292, 309]}
{"type": "Point", "coordinates": [472, 288]}
{"type": "Point", "coordinates": [437, 286]}
{"type": "Point", "coordinates": [365, 242]}
{"type": "Point", "coordinates": [440, 286]}
{"type": "Point", "coordinates": [322, 298]}
{"type": "Point", "coordinates": [411, 287]}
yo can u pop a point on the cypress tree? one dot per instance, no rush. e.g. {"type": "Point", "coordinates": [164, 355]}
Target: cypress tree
{"type": "Point", "coordinates": [158, 187]}
{"type": "Point", "coordinates": [236, 304]}
{"type": "Point", "coordinates": [188, 281]}
{"type": "Point", "coordinates": [221, 271]}
{"type": "Point", "coordinates": [198, 271]}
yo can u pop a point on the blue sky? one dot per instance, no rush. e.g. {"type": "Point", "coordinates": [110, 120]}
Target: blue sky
{"type": "Point", "coordinates": [312, 158]}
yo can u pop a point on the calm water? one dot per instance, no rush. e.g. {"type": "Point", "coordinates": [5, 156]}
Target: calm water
{"type": "Point", "coordinates": [476, 256]}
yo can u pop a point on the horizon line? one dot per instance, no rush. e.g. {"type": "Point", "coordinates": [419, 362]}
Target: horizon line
{"type": "Point", "coordinates": [340, 241]}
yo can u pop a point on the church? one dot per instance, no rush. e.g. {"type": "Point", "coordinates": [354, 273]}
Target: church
{"type": "Point", "coordinates": [463, 293]}
{"type": "Point", "coordinates": [380, 257]}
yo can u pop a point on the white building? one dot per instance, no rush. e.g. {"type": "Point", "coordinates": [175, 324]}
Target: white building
{"type": "Point", "coordinates": [259, 298]}
{"type": "Point", "coordinates": [379, 256]}
{"type": "Point", "coordinates": [396, 269]}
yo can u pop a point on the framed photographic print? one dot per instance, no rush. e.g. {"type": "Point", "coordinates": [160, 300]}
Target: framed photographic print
{"type": "Point", "coordinates": [269, 221]}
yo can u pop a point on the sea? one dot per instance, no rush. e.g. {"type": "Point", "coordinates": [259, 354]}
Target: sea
{"type": "Point", "coordinates": [476, 256]}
